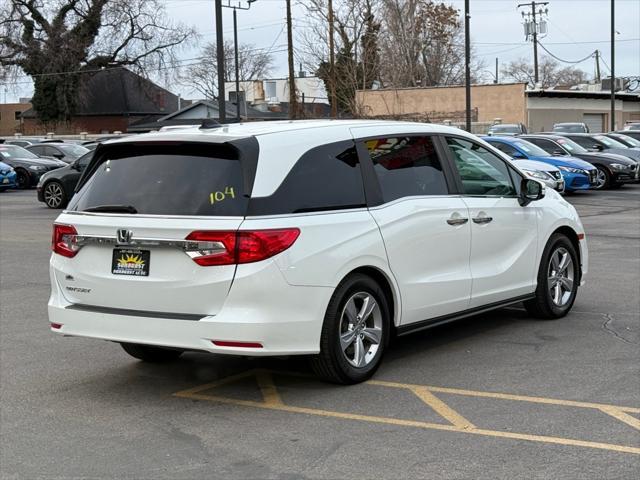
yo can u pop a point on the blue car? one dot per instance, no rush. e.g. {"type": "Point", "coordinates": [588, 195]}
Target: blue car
{"type": "Point", "coordinates": [7, 177]}
{"type": "Point", "coordinates": [577, 174]}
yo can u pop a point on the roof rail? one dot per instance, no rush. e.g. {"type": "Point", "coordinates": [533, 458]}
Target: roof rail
{"type": "Point", "coordinates": [208, 123]}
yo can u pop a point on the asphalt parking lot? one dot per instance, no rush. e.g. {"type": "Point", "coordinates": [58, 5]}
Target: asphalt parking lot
{"type": "Point", "coordinates": [493, 396]}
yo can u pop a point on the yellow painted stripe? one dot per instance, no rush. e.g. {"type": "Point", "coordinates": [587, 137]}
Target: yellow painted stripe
{"type": "Point", "coordinates": [268, 388]}
{"type": "Point", "coordinates": [217, 383]}
{"type": "Point", "coordinates": [504, 396]}
{"type": "Point", "coordinates": [413, 423]}
{"type": "Point", "coordinates": [442, 408]}
{"type": "Point", "coordinates": [623, 417]}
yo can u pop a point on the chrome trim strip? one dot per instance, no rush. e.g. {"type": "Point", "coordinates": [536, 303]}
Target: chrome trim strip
{"type": "Point", "coordinates": [185, 245]}
{"type": "Point", "coordinates": [135, 313]}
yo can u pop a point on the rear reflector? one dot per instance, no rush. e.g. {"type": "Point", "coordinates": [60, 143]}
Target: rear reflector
{"type": "Point", "coordinates": [63, 241]}
{"type": "Point", "coordinates": [234, 247]}
{"type": "Point", "coordinates": [56, 326]}
{"type": "Point", "coordinates": [223, 343]}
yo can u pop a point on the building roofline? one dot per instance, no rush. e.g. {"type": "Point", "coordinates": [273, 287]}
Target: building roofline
{"type": "Point", "coordinates": [434, 87]}
{"type": "Point", "coordinates": [628, 96]}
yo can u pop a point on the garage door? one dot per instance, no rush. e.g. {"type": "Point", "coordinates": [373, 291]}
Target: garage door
{"type": "Point", "coordinates": [594, 121]}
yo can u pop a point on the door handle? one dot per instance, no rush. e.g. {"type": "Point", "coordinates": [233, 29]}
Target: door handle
{"type": "Point", "coordinates": [457, 220]}
{"type": "Point", "coordinates": [482, 219]}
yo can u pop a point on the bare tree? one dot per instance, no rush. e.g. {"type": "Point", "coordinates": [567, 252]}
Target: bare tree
{"type": "Point", "coordinates": [422, 42]}
{"type": "Point", "coordinates": [60, 42]}
{"type": "Point", "coordinates": [550, 73]}
{"type": "Point", "coordinates": [357, 63]}
{"type": "Point", "coordinates": [202, 77]}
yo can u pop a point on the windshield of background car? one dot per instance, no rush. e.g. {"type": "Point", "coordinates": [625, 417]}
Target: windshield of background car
{"type": "Point", "coordinates": [630, 140]}
{"type": "Point", "coordinates": [185, 179]}
{"type": "Point", "coordinates": [569, 128]}
{"type": "Point", "coordinates": [73, 150]}
{"type": "Point", "coordinates": [531, 149]}
{"type": "Point", "coordinates": [571, 146]}
{"type": "Point", "coordinates": [610, 142]}
{"type": "Point", "coordinates": [14, 151]}
{"type": "Point", "coordinates": [505, 129]}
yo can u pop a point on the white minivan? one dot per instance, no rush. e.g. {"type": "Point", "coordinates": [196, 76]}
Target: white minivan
{"type": "Point", "coordinates": [320, 238]}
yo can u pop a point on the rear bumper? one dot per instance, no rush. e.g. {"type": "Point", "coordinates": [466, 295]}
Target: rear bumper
{"type": "Point", "coordinates": [284, 319]}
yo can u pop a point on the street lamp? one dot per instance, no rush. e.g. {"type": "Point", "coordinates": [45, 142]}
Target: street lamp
{"type": "Point", "coordinates": [235, 46]}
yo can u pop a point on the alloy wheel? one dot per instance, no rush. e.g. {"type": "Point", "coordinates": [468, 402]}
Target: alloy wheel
{"type": "Point", "coordinates": [360, 329]}
{"type": "Point", "coordinates": [53, 195]}
{"type": "Point", "coordinates": [601, 179]}
{"type": "Point", "coordinates": [561, 276]}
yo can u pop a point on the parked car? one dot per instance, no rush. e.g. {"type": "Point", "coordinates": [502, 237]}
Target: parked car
{"type": "Point", "coordinates": [602, 143]}
{"type": "Point", "coordinates": [543, 172]}
{"type": "Point", "coordinates": [56, 188]}
{"type": "Point", "coordinates": [29, 167]}
{"type": "Point", "coordinates": [22, 141]}
{"type": "Point", "coordinates": [577, 174]}
{"type": "Point", "coordinates": [67, 152]}
{"type": "Point", "coordinates": [506, 129]}
{"type": "Point", "coordinates": [316, 238]}
{"type": "Point", "coordinates": [613, 169]}
{"type": "Point", "coordinates": [7, 177]}
{"type": "Point", "coordinates": [626, 140]}
{"type": "Point", "coordinates": [632, 126]}
{"type": "Point", "coordinates": [630, 133]}
{"type": "Point", "coordinates": [571, 127]}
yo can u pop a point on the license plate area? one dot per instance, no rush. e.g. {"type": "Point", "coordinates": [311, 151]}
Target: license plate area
{"type": "Point", "coordinates": [130, 261]}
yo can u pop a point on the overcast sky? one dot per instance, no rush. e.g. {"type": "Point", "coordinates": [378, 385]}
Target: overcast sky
{"type": "Point", "coordinates": [576, 28]}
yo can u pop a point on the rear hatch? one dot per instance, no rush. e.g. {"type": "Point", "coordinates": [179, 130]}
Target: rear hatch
{"type": "Point", "coordinates": [134, 236]}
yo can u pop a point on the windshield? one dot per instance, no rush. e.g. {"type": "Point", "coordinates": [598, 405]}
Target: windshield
{"type": "Point", "coordinates": [73, 150]}
{"type": "Point", "coordinates": [531, 149]}
{"type": "Point", "coordinates": [572, 146]}
{"type": "Point", "coordinates": [504, 129]}
{"type": "Point", "coordinates": [168, 180]}
{"type": "Point", "coordinates": [632, 141]}
{"type": "Point", "coordinates": [569, 127]}
{"type": "Point", "coordinates": [14, 151]}
{"type": "Point", "coordinates": [610, 142]}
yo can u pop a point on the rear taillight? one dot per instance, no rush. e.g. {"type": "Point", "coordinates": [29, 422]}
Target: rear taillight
{"type": "Point", "coordinates": [63, 241]}
{"type": "Point", "coordinates": [228, 248]}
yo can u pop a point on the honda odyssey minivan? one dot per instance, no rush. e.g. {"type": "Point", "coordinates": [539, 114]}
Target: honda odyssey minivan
{"type": "Point", "coordinates": [318, 238]}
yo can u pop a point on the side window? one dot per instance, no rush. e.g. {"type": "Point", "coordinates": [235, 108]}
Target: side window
{"type": "Point", "coordinates": [37, 150]}
{"type": "Point", "coordinates": [84, 161]}
{"type": "Point", "coordinates": [503, 147]}
{"type": "Point", "coordinates": [51, 151]}
{"type": "Point", "coordinates": [406, 167]}
{"type": "Point", "coordinates": [481, 172]}
{"type": "Point", "coordinates": [324, 178]}
{"type": "Point", "coordinates": [547, 145]}
{"type": "Point", "coordinates": [584, 141]}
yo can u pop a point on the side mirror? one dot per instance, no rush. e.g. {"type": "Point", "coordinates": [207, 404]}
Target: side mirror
{"type": "Point", "coordinates": [518, 155]}
{"type": "Point", "coordinates": [530, 191]}
{"type": "Point", "coordinates": [558, 153]}
{"type": "Point", "coordinates": [59, 156]}
{"type": "Point", "coordinates": [599, 148]}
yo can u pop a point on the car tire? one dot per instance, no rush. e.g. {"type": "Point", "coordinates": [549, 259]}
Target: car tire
{"type": "Point", "coordinates": [148, 353]}
{"type": "Point", "coordinates": [558, 280]}
{"type": "Point", "coordinates": [54, 195]}
{"type": "Point", "coordinates": [352, 325]}
{"type": "Point", "coordinates": [603, 178]}
{"type": "Point", "coordinates": [23, 180]}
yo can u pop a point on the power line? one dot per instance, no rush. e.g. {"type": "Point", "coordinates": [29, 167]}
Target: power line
{"type": "Point", "coordinates": [566, 61]}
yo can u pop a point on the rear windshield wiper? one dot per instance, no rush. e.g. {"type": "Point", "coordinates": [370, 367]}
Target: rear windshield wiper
{"type": "Point", "coordinates": [112, 209]}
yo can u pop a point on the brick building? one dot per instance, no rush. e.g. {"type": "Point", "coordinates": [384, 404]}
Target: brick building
{"type": "Point", "coordinates": [10, 121]}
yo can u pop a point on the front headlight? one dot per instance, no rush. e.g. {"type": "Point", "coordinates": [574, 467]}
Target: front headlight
{"type": "Point", "coordinates": [37, 168]}
{"type": "Point", "coordinates": [537, 174]}
{"type": "Point", "coordinates": [573, 170]}
{"type": "Point", "coordinates": [618, 166]}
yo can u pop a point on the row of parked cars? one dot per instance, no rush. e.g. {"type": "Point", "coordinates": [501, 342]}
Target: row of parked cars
{"type": "Point", "coordinates": [564, 161]}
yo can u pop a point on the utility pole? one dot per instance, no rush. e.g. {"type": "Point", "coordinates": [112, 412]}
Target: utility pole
{"type": "Point", "coordinates": [235, 49]}
{"type": "Point", "coordinates": [496, 79]}
{"type": "Point", "coordinates": [467, 66]}
{"type": "Point", "coordinates": [220, 54]}
{"type": "Point", "coordinates": [332, 66]}
{"type": "Point", "coordinates": [598, 78]}
{"type": "Point", "coordinates": [613, 65]}
{"type": "Point", "coordinates": [293, 100]}
{"type": "Point", "coordinates": [531, 29]}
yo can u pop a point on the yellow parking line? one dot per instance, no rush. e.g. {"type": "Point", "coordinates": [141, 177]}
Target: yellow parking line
{"type": "Point", "coordinates": [268, 388]}
{"type": "Point", "coordinates": [505, 396]}
{"type": "Point", "coordinates": [218, 383]}
{"type": "Point", "coordinates": [442, 408]}
{"type": "Point", "coordinates": [623, 417]}
{"type": "Point", "coordinates": [411, 423]}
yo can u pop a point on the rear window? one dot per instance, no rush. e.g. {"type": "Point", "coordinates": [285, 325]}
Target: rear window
{"type": "Point", "coordinates": [168, 180]}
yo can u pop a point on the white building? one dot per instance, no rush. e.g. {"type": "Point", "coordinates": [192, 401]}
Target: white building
{"type": "Point", "coordinates": [274, 91]}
